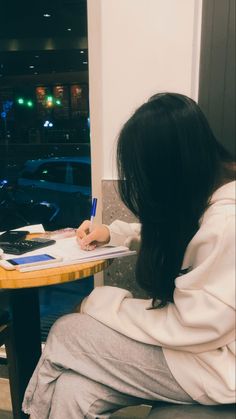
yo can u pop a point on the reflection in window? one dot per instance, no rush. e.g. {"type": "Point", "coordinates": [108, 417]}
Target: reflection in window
{"type": "Point", "coordinates": [61, 105]}
{"type": "Point", "coordinates": [44, 114]}
{"type": "Point", "coordinates": [79, 100]}
{"type": "Point", "coordinates": [41, 94]}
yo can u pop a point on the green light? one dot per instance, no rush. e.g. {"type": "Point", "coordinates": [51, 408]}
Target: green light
{"type": "Point", "coordinates": [49, 98]}
{"type": "Point", "coordinates": [30, 103]}
{"type": "Point", "coordinates": [58, 102]}
{"type": "Point", "coordinates": [20, 101]}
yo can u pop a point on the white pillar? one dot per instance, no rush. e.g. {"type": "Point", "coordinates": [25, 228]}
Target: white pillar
{"type": "Point", "coordinates": [136, 48]}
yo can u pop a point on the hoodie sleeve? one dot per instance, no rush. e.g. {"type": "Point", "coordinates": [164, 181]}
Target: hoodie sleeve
{"type": "Point", "coordinates": [125, 234]}
{"type": "Point", "coordinates": [202, 317]}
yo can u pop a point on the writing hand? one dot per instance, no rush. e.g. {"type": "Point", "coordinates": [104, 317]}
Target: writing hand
{"type": "Point", "coordinates": [87, 240]}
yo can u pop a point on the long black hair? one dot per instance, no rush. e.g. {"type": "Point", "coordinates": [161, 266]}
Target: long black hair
{"type": "Point", "coordinates": [169, 164]}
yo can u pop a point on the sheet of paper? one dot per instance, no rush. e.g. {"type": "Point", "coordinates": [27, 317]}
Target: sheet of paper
{"type": "Point", "coordinates": [69, 250]}
{"type": "Point", "coordinates": [71, 262]}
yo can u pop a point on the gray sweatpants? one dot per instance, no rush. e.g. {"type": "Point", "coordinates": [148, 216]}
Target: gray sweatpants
{"type": "Point", "coordinates": [88, 370]}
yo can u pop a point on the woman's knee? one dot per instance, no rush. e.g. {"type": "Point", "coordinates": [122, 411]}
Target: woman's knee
{"type": "Point", "coordinates": [70, 323]}
{"type": "Point", "coordinates": [75, 331]}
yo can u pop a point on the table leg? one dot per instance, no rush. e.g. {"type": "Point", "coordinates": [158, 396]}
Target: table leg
{"type": "Point", "coordinates": [25, 343]}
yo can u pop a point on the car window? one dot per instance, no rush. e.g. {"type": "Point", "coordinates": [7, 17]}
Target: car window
{"type": "Point", "coordinates": [81, 174]}
{"type": "Point", "coordinates": [27, 174]}
{"type": "Point", "coordinates": [51, 172]}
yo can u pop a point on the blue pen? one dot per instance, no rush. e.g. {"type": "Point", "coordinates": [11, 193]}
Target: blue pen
{"type": "Point", "coordinates": [93, 213]}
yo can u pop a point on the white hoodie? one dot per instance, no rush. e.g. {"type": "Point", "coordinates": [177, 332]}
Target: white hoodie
{"type": "Point", "coordinates": [197, 331]}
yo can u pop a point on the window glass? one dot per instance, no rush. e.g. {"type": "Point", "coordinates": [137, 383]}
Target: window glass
{"type": "Point", "coordinates": [44, 113]}
{"type": "Point", "coordinates": [81, 174]}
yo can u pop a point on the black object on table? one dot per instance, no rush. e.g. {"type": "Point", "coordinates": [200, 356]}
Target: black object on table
{"type": "Point", "coordinates": [24, 246]}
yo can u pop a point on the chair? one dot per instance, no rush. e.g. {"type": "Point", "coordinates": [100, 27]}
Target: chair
{"type": "Point", "coordinates": [194, 411]}
{"type": "Point", "coordinates": [5, 330]}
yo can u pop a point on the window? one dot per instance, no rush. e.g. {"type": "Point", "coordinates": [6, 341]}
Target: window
{"type": "Point", "coordinates": [26, 174]}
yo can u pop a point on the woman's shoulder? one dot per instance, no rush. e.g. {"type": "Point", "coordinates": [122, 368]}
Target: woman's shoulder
{"type": "Point", "coordinates": [222, 205]}
{"type": "Point", "coordinates": [216, 232]}
{"type": "Point", "coordinates": [224, 195]}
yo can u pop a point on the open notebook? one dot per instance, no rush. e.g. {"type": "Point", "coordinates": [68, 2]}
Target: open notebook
{"type": "Point", "coordinates": [70, 252]}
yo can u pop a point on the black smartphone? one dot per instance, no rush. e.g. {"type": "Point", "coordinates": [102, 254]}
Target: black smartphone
{"type": "Point", "coordinates": [12, 236]}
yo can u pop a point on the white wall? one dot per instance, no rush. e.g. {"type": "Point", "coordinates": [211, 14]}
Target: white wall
{"type": "Point", "coordinates": [136, 48]}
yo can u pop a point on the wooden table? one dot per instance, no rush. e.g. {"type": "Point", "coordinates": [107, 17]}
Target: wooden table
{"type": "Point", "coordinates": [25, 324]}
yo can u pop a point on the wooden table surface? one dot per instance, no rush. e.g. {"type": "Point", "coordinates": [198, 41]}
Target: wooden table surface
{"type": "Point", "coordinates": [15, 279]}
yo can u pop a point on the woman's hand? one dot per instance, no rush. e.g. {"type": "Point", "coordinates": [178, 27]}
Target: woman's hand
{"type": "Point", "coordinates": [99, 236]}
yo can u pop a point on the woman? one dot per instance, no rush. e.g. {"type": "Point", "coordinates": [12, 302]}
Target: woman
{"type": "Point", "coordinates": [178, 344]}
